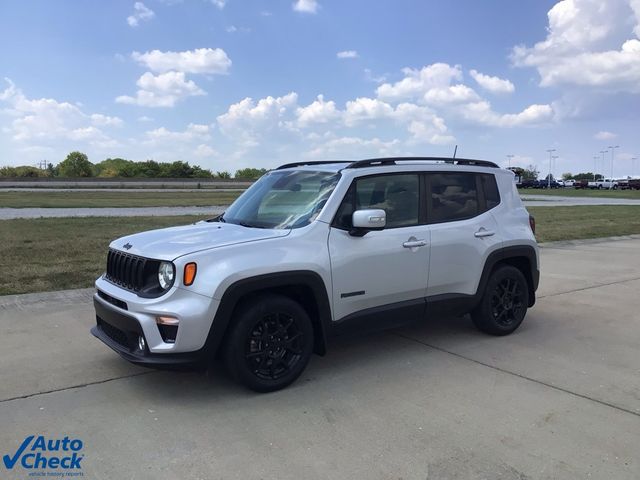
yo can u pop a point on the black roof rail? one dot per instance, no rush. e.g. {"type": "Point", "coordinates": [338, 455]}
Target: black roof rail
{"type": "Point", "coordinates": [376, 162]}
{"type": "Point", "coordinates": [302, 164]}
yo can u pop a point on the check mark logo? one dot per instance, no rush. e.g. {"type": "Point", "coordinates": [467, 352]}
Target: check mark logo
{"type": "Point", "coordinates": [10, 462]}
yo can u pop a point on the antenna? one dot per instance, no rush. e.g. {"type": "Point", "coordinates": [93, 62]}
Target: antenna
{"type": "Point", "coordinates": [455, 150]}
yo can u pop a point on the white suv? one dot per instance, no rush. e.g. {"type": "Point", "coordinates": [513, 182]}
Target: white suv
{"type": "Point", "coordinates": [318, 248]}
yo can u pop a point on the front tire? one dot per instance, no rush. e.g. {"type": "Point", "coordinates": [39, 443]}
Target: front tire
{"type": "Point", "coordinates": [270, 343]}
{"type": "Point", "coordinates": [504, 303]}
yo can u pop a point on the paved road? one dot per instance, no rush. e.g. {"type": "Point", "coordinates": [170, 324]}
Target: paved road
{"type": "Point", "coordinates": [11, 213]}
{"type": "Point", "coordinates": [560, 201]}
{"type": "Point", "coordinates": [559, 399]}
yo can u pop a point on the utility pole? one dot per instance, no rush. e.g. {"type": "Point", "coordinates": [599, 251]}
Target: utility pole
{"type": "Point", "coordinates": [510, 157]}
{"type": "Point", "coordinates": [611, 177]}
{"type": "Point", "coordinates": [551, 150]}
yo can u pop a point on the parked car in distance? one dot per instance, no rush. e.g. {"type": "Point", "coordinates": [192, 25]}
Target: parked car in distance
{"type": "Point", "coordinates": [606, 183]}
{"type": "Point", "coordinates": [528, 183]}
{"type": "Point", "coordinates": [560, 183]}
{"type": "Point", "coordinates": [569, 183]}
{"type": "Point", "coordinates": [629, 184]}
{"type": "Point", "coordinates": [580, 184]}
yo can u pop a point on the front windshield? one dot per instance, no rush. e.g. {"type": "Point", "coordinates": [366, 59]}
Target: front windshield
{"type": "Point", "coordinates": [282, 199]}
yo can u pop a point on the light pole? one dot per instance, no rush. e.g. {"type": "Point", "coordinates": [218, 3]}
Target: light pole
{"type": "Point", "coordinates": [613, 149]}
{"type": "Point", "coordinates": [554, 165]}
{"type": "Point", "coordinates": [551, 150]}
{"type": "Point", "coordinates": [510, 157]}
{"type": "Point", "coordinates": [595, 166]}
{"type": "Point", "coordinates": [603, 152]}
{"type": "Point", "coordinates": [633, 165]}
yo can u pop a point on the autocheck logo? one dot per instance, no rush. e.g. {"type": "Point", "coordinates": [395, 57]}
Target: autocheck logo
{"type": "Point", "coordinates": [62, 455]}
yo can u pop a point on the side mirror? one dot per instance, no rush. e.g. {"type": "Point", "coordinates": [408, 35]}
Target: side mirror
{"type": "Point", "coordinates": [364, 221]}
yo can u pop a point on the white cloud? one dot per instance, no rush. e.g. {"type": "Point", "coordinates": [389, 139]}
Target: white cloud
{"type": "Point", "coordinates": [492, 84]}
{"type": "Point", "coordinates": [364, 109]}
{"type": "Point", "coordinates": [141, 13]}
{"type": "Point", "coordinates": [353, 147]}
{"type": "Point", "coordinates": [588, 45]}
{"type": "Point", "coordinates": [250, 120]}
{"type": "Point", "coordinates": [454, 94]}
{"type": "Point", "coordinates": [144, 118]}
{"type": "Point", "coordinates": [369, 76]}
{"type": "Point", "coordinates": [163, 90]}
{"type": "Point", "coordinates": [200, 60]}
{"type": "Point", "coordinates": [481, 113]}
{"type": "Point", "coordinates": [105, 120]}
{"type": "Point", "coordinates": [231, 29]}
{"type": "Point", "coordinates": [219, 3]}
{"type": "Point", "coordinates": [604, 135]}
{"type": "Point", "coordinates": [318, 111]}
{"type": "Point", "coordinates": [46, 119]}
{"type": "Point", "coordinates": [193, 132]}
{"type": "Point", "coordinates": [204, 150]}
{"type": "Point", "coordinates": [416, 83]}
{"type": "Point", "coordinates": [347, 54]}
{"type": "Point", "coordinates": [306, 6]}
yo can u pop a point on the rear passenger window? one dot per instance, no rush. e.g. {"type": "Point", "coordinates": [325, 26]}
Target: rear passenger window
{"type": "Point", "coordinates": [490, 188]}
{"type": "Point", "coordinates": [453, 196]}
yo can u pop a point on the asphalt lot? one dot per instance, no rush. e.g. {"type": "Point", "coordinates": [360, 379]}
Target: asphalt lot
{"type": "Point", "coordinates": [560, 398]}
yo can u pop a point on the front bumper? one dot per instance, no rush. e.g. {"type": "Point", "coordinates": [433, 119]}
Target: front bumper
{"type": "Point", "coordinates": [120, 332]}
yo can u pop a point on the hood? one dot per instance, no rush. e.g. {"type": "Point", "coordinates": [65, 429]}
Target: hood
{"type": "Point", "coordinates": [171, 243]}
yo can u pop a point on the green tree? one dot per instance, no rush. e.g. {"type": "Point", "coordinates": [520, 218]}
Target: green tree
{"type": "Point", "coordinates": [250, 173]}
{"type": "Point", "coordinates": [530, 173]}
{"type": "Point", "coordinates": [567, 176]}
{"type": "Point", "coordinates": [224, 175]}
{"type": "Point", "coordinates": [76, 164]}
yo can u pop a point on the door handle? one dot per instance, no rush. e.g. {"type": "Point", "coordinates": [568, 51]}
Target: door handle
{"type": "Point", "coordinates": [414, 243]}
{"type": "Point", "coordinates": [484, 233]}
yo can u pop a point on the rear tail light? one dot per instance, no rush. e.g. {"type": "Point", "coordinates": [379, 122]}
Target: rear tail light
{"type": "Point", "coordinates": [532, 224]}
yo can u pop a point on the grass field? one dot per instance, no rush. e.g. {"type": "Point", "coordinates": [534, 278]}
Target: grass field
{"type": "Point", "coordinates": [572, 192]}
{"type": "Point", "coordinates": [60, 253]}
{"type": "Point", "coordinates": [117, 198]}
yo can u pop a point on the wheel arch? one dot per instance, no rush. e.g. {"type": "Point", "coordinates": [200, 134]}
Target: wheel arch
{"type": "Point", "coordinates": [305, 287]}
{"type": "Point", "coordinates": [523, 257]}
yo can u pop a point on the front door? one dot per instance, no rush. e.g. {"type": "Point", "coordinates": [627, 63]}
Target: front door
{"type": "Point", "coordinates": [387, 267]}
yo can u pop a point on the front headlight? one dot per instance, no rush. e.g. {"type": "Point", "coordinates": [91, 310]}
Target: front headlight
{"type": "Point", "coordinates": [166, 273]}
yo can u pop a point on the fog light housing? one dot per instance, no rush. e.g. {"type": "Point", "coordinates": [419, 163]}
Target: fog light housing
{"type": "Point", "coordinates": [142, 345]}
{"type": "Point", "coordinates": [168, 327]}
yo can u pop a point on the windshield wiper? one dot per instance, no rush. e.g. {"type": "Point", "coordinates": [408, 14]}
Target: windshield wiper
{"type": "Point", "coordinates": [249, 225]}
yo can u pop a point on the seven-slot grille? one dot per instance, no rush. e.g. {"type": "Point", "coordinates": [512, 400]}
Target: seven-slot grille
{"type": "Point", "coordinates": [126, 270]}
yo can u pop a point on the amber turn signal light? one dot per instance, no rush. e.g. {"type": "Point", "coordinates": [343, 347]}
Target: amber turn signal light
{"type": "Point", "coordinates": [190, 270]}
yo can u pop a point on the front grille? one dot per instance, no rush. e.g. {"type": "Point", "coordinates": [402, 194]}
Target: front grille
{"type": "Point", "coordinates": [114, 333]}
{"type": "Point", "coordinates": [112, 300]}
{"type": "Point", "coordinates": [125, 270]}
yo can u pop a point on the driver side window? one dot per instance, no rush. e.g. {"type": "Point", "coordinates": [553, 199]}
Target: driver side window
{"type": "Point", "coordinates": [397, 195]}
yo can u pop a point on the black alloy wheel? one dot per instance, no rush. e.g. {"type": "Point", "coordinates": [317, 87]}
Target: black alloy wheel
{"type": "Point", "coordinates": [505, 302]}
{"type": "Point", "coordinates": [270, 342]}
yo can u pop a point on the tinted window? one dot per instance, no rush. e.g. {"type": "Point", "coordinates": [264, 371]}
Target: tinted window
{"type": "Point", "coordinates": [490, 188]}
{"type": "Point", "coordinates": [397, 195]}
{"type": "Point", "coordinates": [453, 196]}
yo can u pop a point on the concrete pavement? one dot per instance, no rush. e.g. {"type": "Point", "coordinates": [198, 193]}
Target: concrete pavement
{"type": "Point", "coordinates": [560, 398]}
{"type": "Point", "coordinates": [532, 200]}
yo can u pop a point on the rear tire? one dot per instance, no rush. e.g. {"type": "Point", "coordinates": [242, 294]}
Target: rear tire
{"type": "Point", "coordinates": [504, 303]}
{"type": "Point", "coordinates": [270, 343]}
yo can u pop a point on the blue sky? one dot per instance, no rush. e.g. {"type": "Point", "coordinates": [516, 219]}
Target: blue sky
{"type": "Point", "coordinates": [234, 83]}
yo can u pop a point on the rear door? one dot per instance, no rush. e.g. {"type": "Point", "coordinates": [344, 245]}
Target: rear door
{"type": "Point", "coordinates": [463, 230]}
